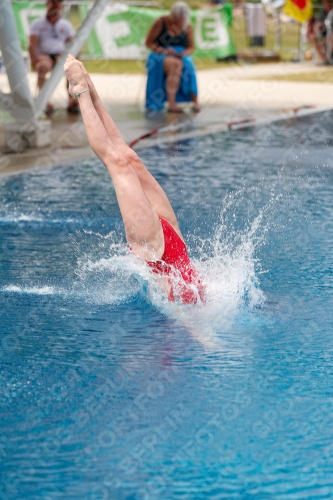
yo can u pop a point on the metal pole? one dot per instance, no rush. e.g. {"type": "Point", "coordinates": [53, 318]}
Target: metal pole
{"type": "Point", "coordinates": [328, 24]}
{"type": "Point", "coordinates": [6, 101]}
{"type": "Point", "coordinates": [302, 40]}
{"type": "Point", "coordinates": [277, 44]}
{"type": "Point", "coordinates": [73, 48]}
{"type": "Point", "coordinates": [22, 104]}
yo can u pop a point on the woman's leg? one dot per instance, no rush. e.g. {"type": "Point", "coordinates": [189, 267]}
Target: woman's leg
{"type": "Point", "coordinates": [142, 225]}
{"type": "Point", "coordinates": [196, 106]}
{"type": "Point", "coordinates": [173, 70]}
{"type": "Point", "coordinates": [190, 79]}
{"type": "Point", "coordinates": [151, 187]}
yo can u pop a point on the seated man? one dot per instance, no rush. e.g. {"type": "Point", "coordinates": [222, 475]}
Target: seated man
{"type": "Point", "coordinates": [48, 38]}
{"type": "Point", "coordinates": [171, 72]}
{"type": "Point", "coordinates": [316, 33]}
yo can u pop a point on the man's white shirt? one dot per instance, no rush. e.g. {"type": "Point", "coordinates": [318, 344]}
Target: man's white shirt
{"type": "Point", "coordinates": [51, 37]}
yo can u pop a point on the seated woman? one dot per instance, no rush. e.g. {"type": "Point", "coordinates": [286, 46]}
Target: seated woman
{"type": "Point", "coordinates": [317, 32]}
{"type": "Point", "coordinates": [171, 72]}
{"type": "Point", "coordinates": [151, 226]}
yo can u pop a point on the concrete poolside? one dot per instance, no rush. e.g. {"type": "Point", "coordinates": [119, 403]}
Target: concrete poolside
{"type": "Point", "coordinates": [226, 94]}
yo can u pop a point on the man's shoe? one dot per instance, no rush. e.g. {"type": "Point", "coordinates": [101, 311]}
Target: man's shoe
{"type": "Point", "coordinates": [74, 110]}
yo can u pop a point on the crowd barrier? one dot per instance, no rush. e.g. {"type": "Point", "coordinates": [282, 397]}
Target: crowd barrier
{"type": "Point", "coordinates": [123, 38]}
{"type": "Point", "coordinates": [284, 36]}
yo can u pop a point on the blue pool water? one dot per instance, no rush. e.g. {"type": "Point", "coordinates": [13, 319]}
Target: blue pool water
{"type": "Point", "coordinates": [109, 392]}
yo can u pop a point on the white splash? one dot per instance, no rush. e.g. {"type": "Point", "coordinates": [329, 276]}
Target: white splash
{"type": "Point", "coordinates": [20, 218]}
{"type": "Point", "coordinates": [226, 265]}
{"type": "Point", "coordinates": [229, 272]}
{"type": "Point", "coordinates": [107, 273]}
{"type": "Point", "coordinates": [43, 290]}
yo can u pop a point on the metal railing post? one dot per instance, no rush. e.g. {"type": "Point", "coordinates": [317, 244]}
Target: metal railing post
{"type": "Point", "coordinates": [328, 24]}
{"type": "Point", "coordinates": [22, 104]}
{"type": "Point", "coordinates": [277, 42]}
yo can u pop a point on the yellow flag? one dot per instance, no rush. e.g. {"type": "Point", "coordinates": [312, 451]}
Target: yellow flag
{"type": "Point", "coordinates": [300, 10]}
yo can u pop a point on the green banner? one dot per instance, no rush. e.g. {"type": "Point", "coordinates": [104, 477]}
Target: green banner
{"type": "Point", "coordinates": [121, 31]}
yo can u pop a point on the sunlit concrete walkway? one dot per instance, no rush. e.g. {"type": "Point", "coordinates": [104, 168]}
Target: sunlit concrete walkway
{"type": "Point", "coordinates": [228, 94]}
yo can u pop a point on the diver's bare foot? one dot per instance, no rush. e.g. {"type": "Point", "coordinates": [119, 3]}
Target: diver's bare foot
{"type": "Point", "coordinates": [91, 86]}
{"type": "Point", "coordinates": [75, 76]}
{"type": "Point", "coordinates": [84, 71]}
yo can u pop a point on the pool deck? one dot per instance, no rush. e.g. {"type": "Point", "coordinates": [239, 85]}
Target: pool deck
{"type": "Point", "coordinates": [232, 94]}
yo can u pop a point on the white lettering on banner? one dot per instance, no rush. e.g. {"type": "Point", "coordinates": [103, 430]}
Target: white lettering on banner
{"type": "Point", "coordinates": [121, 30]}
{"type": "Point", "coordinates": [109, 31]}
{"type": "Point", "coordinates": [210, 32]}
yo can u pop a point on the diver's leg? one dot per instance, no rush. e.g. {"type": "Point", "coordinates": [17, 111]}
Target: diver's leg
{"type": "Point", "coordinates": [142, 225]}
{"type": "Point", "coordinates": [151, 187]}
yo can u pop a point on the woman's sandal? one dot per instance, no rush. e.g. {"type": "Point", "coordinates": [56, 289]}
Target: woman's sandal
{"type": "Point", "coordinates": [49, 109]}
{"type": "Point", "coordinates": [175, 110]}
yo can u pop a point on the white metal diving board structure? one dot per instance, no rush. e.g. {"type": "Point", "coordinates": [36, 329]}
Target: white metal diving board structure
{"type": "Point", "coordinates": [27, 130]}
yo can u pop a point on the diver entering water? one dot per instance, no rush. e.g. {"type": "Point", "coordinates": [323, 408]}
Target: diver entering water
{"type": "Point", "coordinates": [151, 226]}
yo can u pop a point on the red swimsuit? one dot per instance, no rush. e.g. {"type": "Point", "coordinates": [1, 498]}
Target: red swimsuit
{"type": "Point", "coordinates": [187, 287]}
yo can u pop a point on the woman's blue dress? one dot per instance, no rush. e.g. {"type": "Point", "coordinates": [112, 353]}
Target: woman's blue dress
{"type": "Point", "coordinates": [156, 90]}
